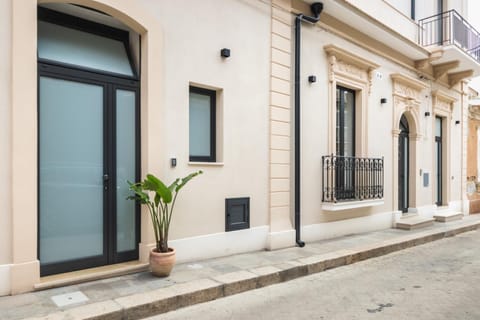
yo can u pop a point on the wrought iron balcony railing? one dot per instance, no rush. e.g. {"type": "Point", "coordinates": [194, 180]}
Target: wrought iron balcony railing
{"type": "Point", "coordinates": [450, 28]}
{"type": "Point", "coordinates": [351, 178]}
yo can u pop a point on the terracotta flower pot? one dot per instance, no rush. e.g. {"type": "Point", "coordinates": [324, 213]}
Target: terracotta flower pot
{"type": "Point", "coordinates": [161, 263]}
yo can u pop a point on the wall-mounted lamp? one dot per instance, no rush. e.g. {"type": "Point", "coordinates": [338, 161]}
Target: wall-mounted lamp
{"type": "Point", "coordinates": [312, 79]}
{"type": "Point", "coordinates": [383, 100]}
{"type": "Point", "coordinates": [427, 114]}
{"type": "Point", "coordinates": [225, 53]}
{"type": "Point", "coordinates": [457, 121]}
{"type": "Point", "coordinates": [173, 162]}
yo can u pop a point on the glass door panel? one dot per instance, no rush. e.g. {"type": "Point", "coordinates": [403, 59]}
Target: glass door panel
{"type": "Point", "coordinates": [70, 170]}
{"type": "Point", "coordinates": [126, 169]}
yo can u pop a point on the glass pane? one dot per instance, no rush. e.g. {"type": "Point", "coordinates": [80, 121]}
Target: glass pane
{"type": "Point", "coordinates": [80, 48]}
{"type": "Point", "coordinates": [71, 169]}
{"type": "Point", "coordinates": [349, 123]}
{"type": "Point", "coordinates": [405, 170]}
{"type": "Point", "coordinates": [199, 125]}
{"type": "Point", "coordinates": [438, 127]}
{"type": "Point", "coordinates": [125, 169]}
{"type": "Point", "coordinates": [337, 127]}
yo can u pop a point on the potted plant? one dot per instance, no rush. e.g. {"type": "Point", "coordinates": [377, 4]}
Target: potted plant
{"type": "Point", "coordinates": [160, 201]}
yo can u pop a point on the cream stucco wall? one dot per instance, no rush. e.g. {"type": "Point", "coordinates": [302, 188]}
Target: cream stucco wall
{"type": "Point", "coordinates": [5, 131]}
{"type": "Point", "coordinates": [194, 33]}
{"type": "Point", "coordinates": [5, 149]}
{"type": "Point", "coordinates": [180, 42]}
{"type": "Point", "coordinates": [380, 124]}
{"type": "Point", "coordinates": [177, 49]}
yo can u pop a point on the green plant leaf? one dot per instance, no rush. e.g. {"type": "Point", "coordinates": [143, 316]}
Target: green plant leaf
{"type": "Point", "coordinates": [161, 188]}
{"type": "Point", "coordinates": [138, 193]}
{"type": "Point", "coordinates": [174, 185]}
{"type": "Point", "coordinates": [185, 180]}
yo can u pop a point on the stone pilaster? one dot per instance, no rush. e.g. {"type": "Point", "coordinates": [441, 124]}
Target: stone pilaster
{"type": "Point", "coordinates": [282, 233]}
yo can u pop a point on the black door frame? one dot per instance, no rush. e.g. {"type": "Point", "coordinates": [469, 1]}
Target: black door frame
{"type": "Point", "coordinates": [345, 174]}
{"type": "Point", "coordinates": [110, 84]}
{"type": "Point", "coordinates": [403, 165]}
{"type": "Point", "coordinates": [439, 164]}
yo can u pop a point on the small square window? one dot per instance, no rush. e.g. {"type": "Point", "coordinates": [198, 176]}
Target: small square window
{"type": "Point", "coordinates": [237, 214]}
{"type": "Point", "coordinates": [202, 124]}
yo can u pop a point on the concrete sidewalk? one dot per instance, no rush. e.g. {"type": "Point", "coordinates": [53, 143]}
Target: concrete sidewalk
{"type": "Point", "coordinates": [140, 295]}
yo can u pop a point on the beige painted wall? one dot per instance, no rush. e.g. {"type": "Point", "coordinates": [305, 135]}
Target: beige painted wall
{"type": "Point", "coordinates": [192, 55]}
{"type": "Point", "coordinates": [315, 134]}
{"type": "Point", "coordinates": [5, 131]}
{"type": "Point", "coordinates": [391, 13]}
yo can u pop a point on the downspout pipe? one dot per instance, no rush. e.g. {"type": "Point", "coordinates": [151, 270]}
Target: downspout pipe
{"type": "Point", "coordinates": [316, 9]}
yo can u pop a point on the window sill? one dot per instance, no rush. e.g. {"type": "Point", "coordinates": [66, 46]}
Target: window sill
{"type": "Point", "coordinates": [346, 205]}
{"type": "Point", "coordinates": [205, 164]}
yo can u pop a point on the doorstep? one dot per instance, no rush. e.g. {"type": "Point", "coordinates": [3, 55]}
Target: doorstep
{"type": "Point", "coordinates": [447, 216]}
{"type": "Point", "coordinates": [414, 222]}
{"type": "Point", "coordinates": [92, 274]}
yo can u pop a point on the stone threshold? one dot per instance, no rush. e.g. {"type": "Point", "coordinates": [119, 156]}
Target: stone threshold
{"type": "Point", "coordinates": [167, 299]}
{"type": "Point", "coordinates": [75, 277]}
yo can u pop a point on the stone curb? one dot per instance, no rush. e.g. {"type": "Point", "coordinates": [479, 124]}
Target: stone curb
{"type": "Point", "coordinates": [167, 299]}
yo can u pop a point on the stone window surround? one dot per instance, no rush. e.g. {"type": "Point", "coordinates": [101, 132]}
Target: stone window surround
{"type": "Point", "coordinates": [353, 72]}
{"type": "Point", "coordinates": [443, 108]}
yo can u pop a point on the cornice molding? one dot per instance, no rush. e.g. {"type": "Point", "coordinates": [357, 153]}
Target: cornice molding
{"type": "Point", "coordinates": [343, 55]}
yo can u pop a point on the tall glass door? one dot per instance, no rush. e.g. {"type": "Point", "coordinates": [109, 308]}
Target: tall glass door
{"type": "Point", "coordinates": [88, 151]}
{"type": "Point", "coordinates": [438, 161]}
{"type": "Point", "coordinates": [403, 165]}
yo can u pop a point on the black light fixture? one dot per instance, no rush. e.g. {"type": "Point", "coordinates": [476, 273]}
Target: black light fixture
{"type": "Point", "coordinates": [312, 79]}
{"type": "Point", "coordinates": [173, 162]}
{"type": "Point", "coordinates": [427, 114]}
{"type": "Point", "coordinates": [383, 100]}
{"type": "Point", "coordinates": [457, 121]}
{"type": "Point", "coordinates": [225, 53]}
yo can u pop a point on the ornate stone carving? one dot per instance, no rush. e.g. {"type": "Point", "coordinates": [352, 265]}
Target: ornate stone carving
{"type": "Point", "coordinates": [351, 69]}
{"type": "Point", "coordinates": [442, 105]}
{"type": "Point", "coordinates": [474, 112]}
{"type": "Point", "coordinates": [348, 65]}
{"type": "Point", "coordinates": [332, 61]}
{"type": "Point", "coordinates": [442, 102]}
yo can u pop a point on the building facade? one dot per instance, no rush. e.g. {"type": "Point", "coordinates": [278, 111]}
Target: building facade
{"type": "Point", "coordinates": [310, 121]}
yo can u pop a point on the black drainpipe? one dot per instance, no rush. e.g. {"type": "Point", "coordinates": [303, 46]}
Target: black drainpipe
{"type": "Point", "coordinates": [316, 9]}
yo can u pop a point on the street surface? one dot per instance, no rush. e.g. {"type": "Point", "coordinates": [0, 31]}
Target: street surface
{"type": "Point", "coordinates": [438, 280]}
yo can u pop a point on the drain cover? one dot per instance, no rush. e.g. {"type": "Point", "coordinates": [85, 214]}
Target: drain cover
{"type": "Point", "coordinates": [69, 298]}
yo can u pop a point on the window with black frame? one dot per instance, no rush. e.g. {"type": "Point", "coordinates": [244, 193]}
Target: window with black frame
{"type": "Point", "coordinates": [202, 135]}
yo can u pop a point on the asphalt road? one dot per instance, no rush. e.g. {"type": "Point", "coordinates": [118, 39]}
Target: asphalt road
{"type": "Point", "coordinates": [438, 280]}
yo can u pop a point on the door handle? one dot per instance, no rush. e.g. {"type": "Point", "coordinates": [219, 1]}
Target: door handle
{"type": "Point", "coordinates": [105, 181]}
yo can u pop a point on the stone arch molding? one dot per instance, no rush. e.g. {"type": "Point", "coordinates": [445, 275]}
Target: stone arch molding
{"type": "Point", "coordinates": [23, 268]}
{"type": "Point", "coordinates": [406, 100]}
{"type": "Point", "coordinates": [143, 22]}
{"type": "Point", "coordinates": [123, 10]}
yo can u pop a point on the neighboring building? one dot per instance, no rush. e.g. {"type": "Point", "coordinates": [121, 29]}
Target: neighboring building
{"type": "Point", "coordinates": [98, 92]}
{"type": "Point", "coordinates": [473, 133]}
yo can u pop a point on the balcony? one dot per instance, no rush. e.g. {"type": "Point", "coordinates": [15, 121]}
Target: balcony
{"type": "Point", "coordinates": [351, 182]}
{"type": "Point", "coordinates": [455, 46]}
{"type": "Point", "coordinates": [449, 28]}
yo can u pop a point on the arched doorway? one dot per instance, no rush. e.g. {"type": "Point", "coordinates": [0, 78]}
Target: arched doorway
{"type": "Point", "coordinates": [88, 139]}
{"type": "Point", "coordinates": [403, 165]}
